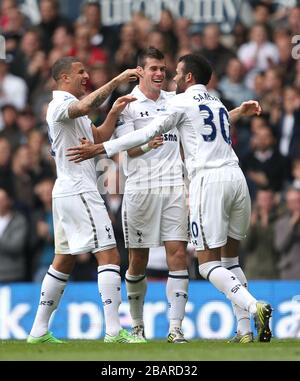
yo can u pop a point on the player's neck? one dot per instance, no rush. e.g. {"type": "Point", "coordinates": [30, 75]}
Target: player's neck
{"type": "Point", "coordinates": [153, 95]}
{"type": "Point", "coordinates": [63, 87]}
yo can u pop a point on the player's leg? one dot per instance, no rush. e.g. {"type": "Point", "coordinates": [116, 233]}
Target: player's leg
{"type": "Point", "coordinates": [52, 289]}
{"type": "Point", "coordinates": [141, 227]}
{"type": "Point", "coordinates": [174, 234]}
{"type": "Point", "coordinates": [239, 221]}
{"type": "Point", "coordinates": [98, 233]}
{"type": "Point", "coordinates": [213, 198]}
{"type": "Point", "coordinates": [177, 288]}
{"type": "Point", "coordinates": [58, 274]}
{"type": "Point", "coordinates": [230, 261]}
{"type": "Point", "coordinates": [136, 286]}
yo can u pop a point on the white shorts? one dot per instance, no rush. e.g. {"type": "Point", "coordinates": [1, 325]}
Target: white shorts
{"type": "Point", "coordinates": [220, 206]}
{"type": "Point", "coordinates": [152, 217]}
{"type": "Point", "coordinates": [81, 224]}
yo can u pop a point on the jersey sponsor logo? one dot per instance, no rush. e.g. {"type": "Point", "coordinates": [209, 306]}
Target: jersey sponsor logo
{"type": "Point", "coordinates": [163, 108]}
{"type": "Point", "coordinates": [146, 113]}
{"type": "Point", "coordinates": [170, 137]}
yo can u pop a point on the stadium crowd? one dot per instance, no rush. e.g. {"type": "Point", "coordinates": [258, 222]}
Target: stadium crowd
{"type": "Point", "coordinates": [255, 61]}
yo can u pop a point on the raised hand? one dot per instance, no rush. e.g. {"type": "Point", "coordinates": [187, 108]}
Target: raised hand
{"type": "Point", "coordinates": [86, 150]}
{"type": "Point", "coordinates": [121, 103]}
{"type": "Point", "coordinates": [129, 75]}
{"type": "Point", "coordinates": [250, 108]}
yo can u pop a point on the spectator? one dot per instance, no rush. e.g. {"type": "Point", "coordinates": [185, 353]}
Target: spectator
{"type": "Point", "coordinates": [287, 237]}
{"type": "Point", "coordinates": [50, 20]}
{"type": "Point", "coordinates": [13, 89]}
{"type": "Point", "coordinates": [232, 85]}
{"type": "Point", "coordinates": [43, 229]}
{"type": "Point", "coordinates": [289, 124]}
{"type": "Point", "coordinates": [6, 175]}
{"type": "Point", "coordinates": [257, 54]}
{"type": "Point", "coordinates": [10, 129]}
{"type": "Point", "coordinates": [264, 166]}
{"type": "Point", "coordinates": [13, 237]}
{"type": "Point", "coordinates": [217, 54]}
{"type": "Point", "coordinates": [261, 257]}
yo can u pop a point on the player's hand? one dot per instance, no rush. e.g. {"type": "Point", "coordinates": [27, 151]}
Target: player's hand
{"type": "Point", "coordinates": [250, 108]}
{"type": "Point", "coordinates": [121, 103]}
{"type": "Point", "coordinates": [156, 142]}
{"type": "Point", "coordinates": [129, 75]}
{"type": "Point", "coordinates": [85, 151]}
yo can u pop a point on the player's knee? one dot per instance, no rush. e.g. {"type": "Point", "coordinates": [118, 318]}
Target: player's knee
{"type": "Point", "coordinates": [177, 260]}
{"type": "Point", "coordinates": [205, 269]}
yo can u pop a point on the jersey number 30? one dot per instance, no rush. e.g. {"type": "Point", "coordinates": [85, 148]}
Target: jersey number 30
{"type": "Point", "coordinates": [209, 121]}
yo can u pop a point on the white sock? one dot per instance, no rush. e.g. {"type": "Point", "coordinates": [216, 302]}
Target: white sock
{"type": "Point", "coordinates": [109, 285]}
{"type": "Point", "coordinates": [242, 316]}
{"type": "Point", "coordinates": [225, 281]}
{"type": "Point", "coordinates": [52, 289]}
{"type": "Point", "coordinates": [136, 286]}
{"type": "Point", "coordinates": [177, 295]}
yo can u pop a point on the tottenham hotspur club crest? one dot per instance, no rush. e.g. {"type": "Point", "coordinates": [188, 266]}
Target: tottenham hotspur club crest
{"type": "Point", "coordinates": [107, 228]}
{"type": "Point", "coordinates": [140, 235]}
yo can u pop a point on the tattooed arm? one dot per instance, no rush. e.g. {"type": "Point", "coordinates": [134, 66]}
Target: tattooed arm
{"type": "Point", "coordinates": [97, 97]}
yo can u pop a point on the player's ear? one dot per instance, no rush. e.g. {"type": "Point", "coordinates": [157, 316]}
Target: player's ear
{"type": "Point", "coordinates": [64, 77]}
{"type": "Point", "coordinates": [140, 69]}
{"type": "Point", "coordinates": [188, 77]}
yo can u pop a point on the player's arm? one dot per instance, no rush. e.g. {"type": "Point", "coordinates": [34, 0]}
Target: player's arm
{"type": "Point", "coordinates": [153, 144]}
{"type": "Point", "coordinates": [105, 131]}
{"type": "Point", "coordinates": [248, 108]}
{"type": "Point", "coordinates": [97, 97]}
{"type": "Point", "coordinates": [158, 126]}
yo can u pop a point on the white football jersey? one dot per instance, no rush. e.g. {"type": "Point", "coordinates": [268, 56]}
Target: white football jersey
{"type": "Point", "coordinates": [64, 133]}
{"type": "Point", "coordinates": [203, 124]}
{"type": "Point", "coordinates": [159, 167]}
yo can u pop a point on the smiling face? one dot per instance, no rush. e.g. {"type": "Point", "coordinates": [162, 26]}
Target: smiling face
{"type": "Point", "coordinates": [153, 75]}
{"type": "Point", "coordinates": [75, 80]}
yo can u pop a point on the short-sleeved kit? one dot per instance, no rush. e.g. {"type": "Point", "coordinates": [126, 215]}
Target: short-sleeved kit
{"type": "Point", "coordinates": [81, 222]}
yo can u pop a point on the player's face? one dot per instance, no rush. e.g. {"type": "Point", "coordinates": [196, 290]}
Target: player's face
{"type": "Point", "coordinates": [78, 79]}
{"type": "Point", "coordinates": [179, 78]}
{"type": "Point", "coordinates": [154, 74]}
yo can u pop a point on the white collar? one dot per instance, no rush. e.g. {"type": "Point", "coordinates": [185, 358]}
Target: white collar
{"type": "Point", "coordinates": [198, 87]}
{"type": "Point", "coordinates": [62, 94]}
{"type": "Point", "coordinates": [141, 97]}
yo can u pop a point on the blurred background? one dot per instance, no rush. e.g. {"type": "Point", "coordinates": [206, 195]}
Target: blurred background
{"type": "Point", "coordinates": [252, 46]}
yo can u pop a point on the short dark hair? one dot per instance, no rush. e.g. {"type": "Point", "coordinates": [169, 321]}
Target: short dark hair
{"type": "Point", "coordinates": [63, 65]}
{"type": "Point", "coordinates": [150, 52]}
{"type": "Point", "coordinates": [198, 66]}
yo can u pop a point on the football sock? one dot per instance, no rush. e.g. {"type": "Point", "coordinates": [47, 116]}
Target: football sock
{"type": "Point", "coordinates": [109, 285]}
{"type": "Point", "coordinates": [177, 295]}
{"type": "Point", "coordinates": [226, 281]}
{"type": "Point", "coordinates": [242, 316]}
{"type": "Point", "coordinates": [136, 286]}
{"type": "Point", "coordinates": [52, 289]}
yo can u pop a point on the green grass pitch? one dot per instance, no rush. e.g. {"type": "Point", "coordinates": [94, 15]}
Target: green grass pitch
{"type": "Point", "coordinates": [197, 350]}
